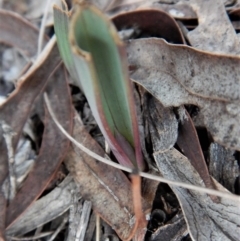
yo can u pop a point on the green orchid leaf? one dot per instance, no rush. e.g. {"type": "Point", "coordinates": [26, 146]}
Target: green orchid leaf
{"type": "Point", "coordinates": [102, 72]}
{"type": "Point", "coordinates": [61, 28]}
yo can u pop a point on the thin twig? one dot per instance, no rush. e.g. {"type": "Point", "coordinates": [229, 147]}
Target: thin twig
{"type": "Point", "coordinates": [59, 229]}
{"type": "Point", "coordinates": [142, 174]}
{"type": "Point", "coordinates": [137, 204]}
{"type": "Point", "coordinates": [82, 227]}
{"type": "Point", "coordinates": [75, 211]}
{"type": "Point", "coordinates": [107, 148]}
{"type": "Point", "coordinates": [98, 223]}
{"type": "Point", "coordinates": [41, 235]}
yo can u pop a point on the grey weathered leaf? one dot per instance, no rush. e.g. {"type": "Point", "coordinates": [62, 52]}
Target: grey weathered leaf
{"type": "Point", "coordinates": [223, 166]}
{"type": "Point", "coordinates": [206, 220]}
{"type": "Point", "coordinates": [175, 230]}
{"type": "Point", "coordinates": [215, 32]}
{"type": "Point", "coordinates": [45, 209]}
{"type": "Point", "coordinates": [162, 122]}
{"type": "Point", "coordinates": [178, 75]}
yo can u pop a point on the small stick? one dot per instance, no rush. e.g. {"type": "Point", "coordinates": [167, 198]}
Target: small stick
{"type": "Point", "coordinates": [98, 227]}
{"type": "Point", "coordinates": [82, 227]}
{"type": "Point", "coordinates": [58, 230]}
{"type": "Point", "coordinates": [74, 214]}
{"type": "Point", "coordinates": [140, 220]}
{"type": "Point", "coordinates": [41, 235]}
{"type": "Point", "coordinates": [137, 197]}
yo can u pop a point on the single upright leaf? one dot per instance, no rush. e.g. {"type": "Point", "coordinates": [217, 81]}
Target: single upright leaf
{"type": "Point", "coordinates": [101, 65]}
{"type": "Point", "coordinates": [61, 28]}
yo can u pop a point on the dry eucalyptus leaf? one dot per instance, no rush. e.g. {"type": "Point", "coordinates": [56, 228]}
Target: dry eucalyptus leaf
{"type": "Point", "coordinates": [47, 162]}
{"type": "Point", "coordinates": [107, 188]}
{"type": "Point", "coordinates": [141, 123]}
{"type": "Point", "coordinates": [178, 75]}
{"type": "Point", "coordinates": [215, 32]}
{"type": "Point", "coordinates": [180, 10]}
{"type": "Point", "coordinates": [18, 32]}
{"type": "Point", "coordinates": [161, 121]}
{"type": "Point", "coordinates": [175, 230]}
{"type": "Point", "coordinates": [206, 220]}
{"type": "Point", "coordinates": [45, 209]}
{"type": "Point", "coordinates": [189, 144]}
{"type": "Point", "coordinates": [223, 166]}
{"type": "Point", "coordinates": [150, 22]}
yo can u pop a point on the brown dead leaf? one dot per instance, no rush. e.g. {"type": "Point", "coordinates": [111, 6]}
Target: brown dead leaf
{"type": "Point", "coordinates": [16, 31]}
{"type": "Point", "coordinates": [234, 15]}
{"type": "Point", "coordinates": [174, 230]}
{"type": "Point", "coordinates": [32, 84]}
{"type": "Point", "coordinates": [150, 22]}
{"type": "Point", "coordinates": [178, 75]}
{"type": "Point", "coordinates": [206, 220]}
{"type": "Point", "coordinates": [19, 33]}
{"type": "Point", "coordinates": [215, 32]}
{"type": "Point", "coordinates": [107, 188]}
{"type": "Point", "coordinates": [178, 10]}
{"type": "Point", "coordinates": [189, 144]}
{"type": "Point", "coordinates": [53, 149]}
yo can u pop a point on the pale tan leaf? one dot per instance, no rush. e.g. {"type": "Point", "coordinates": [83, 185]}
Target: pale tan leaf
{"type": "Point", "coordinates": [223, 166]}
{"type": "Point", "coordinates": [162, 122]}
{"type": "Point", "coordinates": [45, 209]}
{"type": "Point", "coordinates": [215, 32]}
{"type": "Point", "coordinates": [178, 75]}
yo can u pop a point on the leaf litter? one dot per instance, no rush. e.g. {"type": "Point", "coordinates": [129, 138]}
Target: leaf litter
{"type": "Point", "coordinates": [174, 75]}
